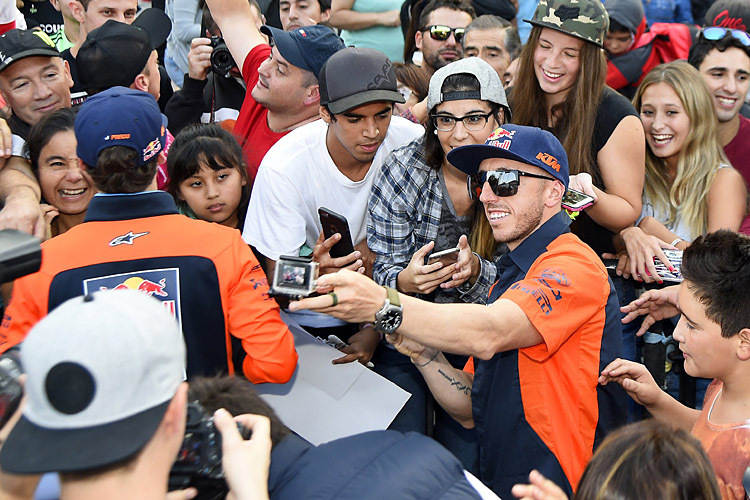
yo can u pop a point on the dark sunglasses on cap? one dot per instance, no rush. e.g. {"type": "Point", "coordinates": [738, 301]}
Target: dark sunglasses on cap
{"type": "Point", "coordinates": [442, 33]}
{"type": "Point", "coordinates": [502, 182]}
{"type": "Point", "coordinates": [715, 33]}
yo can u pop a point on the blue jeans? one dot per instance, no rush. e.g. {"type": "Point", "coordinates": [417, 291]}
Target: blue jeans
{"type": "Point", "coordinates": [630, 343]}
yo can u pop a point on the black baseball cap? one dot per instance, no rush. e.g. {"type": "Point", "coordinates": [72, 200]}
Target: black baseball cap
{"type": "Point", "coordinates": [115, 53]}
{"type": "Point", "coordinates": [308, 47]}
{"type": "Point", "coordinates": [355, 76]}
{"type": "Point", "coordinates": [17, 44]}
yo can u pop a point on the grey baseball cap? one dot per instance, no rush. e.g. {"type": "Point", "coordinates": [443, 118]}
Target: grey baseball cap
{"type": "Point", "coordinates": [102, 370]}
{"type": "Point", "coordinates": [355, 76]}
{"type": "Point", "coordinates": [490, 86]}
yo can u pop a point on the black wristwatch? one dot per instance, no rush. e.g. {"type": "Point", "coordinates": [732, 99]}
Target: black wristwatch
{"type": "Point", "coordinates": [389, 318]}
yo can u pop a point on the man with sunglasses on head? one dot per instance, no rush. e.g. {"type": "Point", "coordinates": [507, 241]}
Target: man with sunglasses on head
{"type": "Point", "coordinates": [441, 30]}
{"type": "Point", "coordinates": [722, 56]}
{"type": "Point", "coordinates": [552, 322]}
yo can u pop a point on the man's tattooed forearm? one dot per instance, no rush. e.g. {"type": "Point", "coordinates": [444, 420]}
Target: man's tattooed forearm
{"type": "Point", "coordinates": [460, 386]}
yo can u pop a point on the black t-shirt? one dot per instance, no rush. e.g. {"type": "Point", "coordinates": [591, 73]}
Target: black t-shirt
{"type": "Point", "coordinates": [612, 110]}
{"type": "Point", "coordinates": [41, 13]}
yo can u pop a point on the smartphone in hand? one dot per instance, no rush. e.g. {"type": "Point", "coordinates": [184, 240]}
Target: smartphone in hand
{"type": "Point", "coordinates": [575, 201]}
{"type": "Point", "coordinates": [335, 223]}
{"type": "Point", "coordinates": [447, 257]}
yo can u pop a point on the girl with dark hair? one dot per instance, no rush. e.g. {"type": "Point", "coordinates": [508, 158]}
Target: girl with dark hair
{"type": "Point", "coordinates": [560, 87]}
{"type": "Point", "coordinates": [208, 176]}
{"type": "Point", "coordinates": [420, 205]}
{"type": "Point", "coordinates": [66, 188]}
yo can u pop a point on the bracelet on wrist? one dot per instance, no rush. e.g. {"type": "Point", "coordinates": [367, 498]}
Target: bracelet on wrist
{"type": "Point", "coordinates": [676, 241]}
{"type": "Point", "coordinates": [428, 361]}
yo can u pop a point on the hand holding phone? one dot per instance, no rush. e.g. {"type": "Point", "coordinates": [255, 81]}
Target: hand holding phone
{"type": "Point", "coordinates": [575, 201]}
{"type": "Point", "coordinates": [446, 257]}
{"type": "Point", "coordinates": [335, 223]}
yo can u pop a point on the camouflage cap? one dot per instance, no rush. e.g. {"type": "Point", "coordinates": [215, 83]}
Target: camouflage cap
{"type": "Point", "coordinates": [584, 19]}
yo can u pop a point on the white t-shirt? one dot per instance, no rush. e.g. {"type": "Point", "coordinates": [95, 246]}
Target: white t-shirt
{"type": "Point", "coordinates": [297, 177]}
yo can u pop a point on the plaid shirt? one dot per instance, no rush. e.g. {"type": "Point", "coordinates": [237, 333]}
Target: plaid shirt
{"type": "Point", "coordinates": [405, 208]}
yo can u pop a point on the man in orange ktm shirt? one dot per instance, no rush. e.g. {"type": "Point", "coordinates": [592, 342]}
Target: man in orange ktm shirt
{"type": "Point", "coordinates": [551, 325]}
{"type": "Point", "coordinates": [134, 238]}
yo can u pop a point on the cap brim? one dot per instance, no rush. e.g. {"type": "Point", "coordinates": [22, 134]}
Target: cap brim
{"type": "Point", "coordinates": [156, 23]}
{"type": "Point", "coordinates": [38, 51]}
{"type": "Point", "coordinates": [557, 28]}
{"type": "Point", "coordinates": [287, 47]}
{"type": "Point", "coordinates": [468, 158]}
{"type": "Point", "coordinates": [31, 449]}
{"type": "Point", "coordinates": [346, 103]}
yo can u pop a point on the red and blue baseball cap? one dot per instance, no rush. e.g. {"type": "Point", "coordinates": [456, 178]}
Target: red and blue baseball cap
{"type": "Point", "coordinates": [120, 117]}
{"type": "Point", "coordinates": [308, 47]}
{"type": "Point", "coordinates": [530, 145]}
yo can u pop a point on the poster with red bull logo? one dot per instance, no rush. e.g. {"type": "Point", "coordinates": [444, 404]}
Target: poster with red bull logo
{"type": "Point", "coordinates": [162, 284]}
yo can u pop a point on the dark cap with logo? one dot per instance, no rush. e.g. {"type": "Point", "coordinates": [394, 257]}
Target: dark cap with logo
{"type": "Point", "coordinates": [115, 53]}
{"type": "Point", "coordinates": [356, 76]}
{"type": "Point", "coordinates": [730, 14]}
{"type": "Point", "coordinates": [529, 145]}
{"type": "Point", "coordinates": [308, 47]}
{"type": "Point", "coordinates": [17, 44]}
{"type": "Point", "coordinates": [120, 117]}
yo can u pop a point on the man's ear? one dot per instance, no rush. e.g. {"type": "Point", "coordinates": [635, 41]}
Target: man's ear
{"type": "Point", "coordinates": [55, 4]}
{"type": "Point", "coordinates": [174, 418]}
{"type": "Point", "coordinates": [555, 194]}
{"type": "Point", "coordinates": [140, 83]}
{"type": "Point", "coordinates": [77, 10]}
{"type": "Point", "coordinates": [66, 71]}
{"type": "Point", "coordinates": [312, 96]}
{"type": "Point", "coordinates": [325, 16]}
{"type": "Point", "coordinates": [743, 348]}
{"type": "Point", "coordinates": [323, 112]}
{"type": "Point", "coordinates": [418, 39]}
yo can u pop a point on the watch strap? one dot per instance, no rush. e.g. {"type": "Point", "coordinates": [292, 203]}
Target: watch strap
{"type": "Point", "coordinates": [393, 297]}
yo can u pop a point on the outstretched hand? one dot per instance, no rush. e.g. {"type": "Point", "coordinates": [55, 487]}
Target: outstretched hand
{"type": "Point", "coordinates": [655, 304]}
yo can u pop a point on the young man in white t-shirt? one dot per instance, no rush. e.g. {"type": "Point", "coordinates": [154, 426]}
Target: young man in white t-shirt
{"type": "Point", "coordinates": [329, 163]}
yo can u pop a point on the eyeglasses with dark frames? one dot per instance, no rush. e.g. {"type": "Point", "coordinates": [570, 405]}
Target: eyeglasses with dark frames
{"type": "Point", "coordinates": [473, 122]}
{"type": "Point", "coordinates": [503, 183]}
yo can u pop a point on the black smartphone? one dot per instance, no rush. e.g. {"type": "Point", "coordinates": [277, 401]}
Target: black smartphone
{"type": "Point", "coordinates": [336, 223]}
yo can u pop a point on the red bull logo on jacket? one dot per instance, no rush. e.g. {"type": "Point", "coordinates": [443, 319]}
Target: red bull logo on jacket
{"type": "Point", "coordinates": [161, 284]}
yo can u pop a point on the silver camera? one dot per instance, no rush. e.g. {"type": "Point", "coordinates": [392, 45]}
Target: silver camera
{"type": "Point", "coordinates": [294, 277]}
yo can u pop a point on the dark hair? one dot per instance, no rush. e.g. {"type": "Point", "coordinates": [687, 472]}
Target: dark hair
{"type": "Point", "coordinates": [324, 4]}
{"type": "Point", "coordinates": [434, 5]}
{"type": "Point", "coordinates": [649, 459]}
{"type": "Point", "coordinates": [206, 145]}
{"type": "Point", "coordinates": [44, 130]}
{"type": "Point", "coordinates": [413, 77]}
{"type": "Point", "coordinates": [460, 82]}
{"type": "Point", "coordinates": [701, 47]}
{"type": "Point", "coordinates": [511, 39]}
{"type": "Point", "coordinates": [116, 171]}
{"type": "Point", "coordinates": [237, 396]}
{"type": "Point", "coordinates": [716, 268]}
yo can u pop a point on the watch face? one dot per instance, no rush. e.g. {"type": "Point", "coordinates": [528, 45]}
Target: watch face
{"type": "Point", "coordinates": [391, 320]}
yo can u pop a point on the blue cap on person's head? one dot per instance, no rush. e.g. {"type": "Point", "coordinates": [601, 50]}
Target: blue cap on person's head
{"type": "Point", "coordinates": [120, 116]}
{"type": "Point", "coordinates": [308, 47]}
{"type": "Point", "coordinates": [530, 145]}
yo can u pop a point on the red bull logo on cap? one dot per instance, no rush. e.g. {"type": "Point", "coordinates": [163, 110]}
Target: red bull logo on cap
{"type": "Point", "coordinates": [500, 133]}
{"type": "Point", "coordinates": [152, 149]}
{"type": "Point", "coordinates": [161, 284]}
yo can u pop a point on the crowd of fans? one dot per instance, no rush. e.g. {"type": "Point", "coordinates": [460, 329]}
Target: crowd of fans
{"type": "Point", "coordinates": [180, 153]}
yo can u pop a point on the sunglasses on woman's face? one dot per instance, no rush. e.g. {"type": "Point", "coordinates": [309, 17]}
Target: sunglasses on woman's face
{"type": "Point", "coordinates": [503, 183]}
{"type": "Point", "coordinates": [442, 33]}
{"type": "Point", "coordinates": [715, 33]}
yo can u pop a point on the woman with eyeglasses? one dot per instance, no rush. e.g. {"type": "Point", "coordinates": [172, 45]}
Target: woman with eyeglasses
{"type": "Point", "coordinates": [420, 205]}
{"type": "Point", "coordinates": [691, 189]}
{"type": "Point", "coordinates": [560, 87]}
